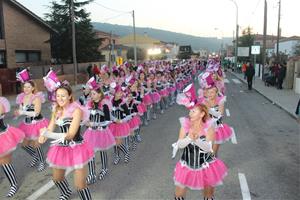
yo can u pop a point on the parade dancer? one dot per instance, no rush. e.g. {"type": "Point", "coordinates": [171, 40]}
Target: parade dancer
{"type": "Point", "coordinates": [98, 135]}
{"type": "Point", "coordinates": [163, 92]}
{"type": "Point", "coordinates": [10, 137]}
{"type": "Point", "coordinates": [69, 150]}
{"type": "Point", "coordinates": [198, 168]}
{"type": "Point", "coordinates": [85, 97]}
{"type": "Point", "coordinates": [120, 127]}
{"type": "Point", "coordinates": [215, 104]}
{"type": "Point", "coordinates": [135, 121]}
{"type": "Point", "coordinates": [146, 98]}
{"type": "Point", "coordinates": [154, 94]}
{"type": "Point", "coordinates": [30, 105]}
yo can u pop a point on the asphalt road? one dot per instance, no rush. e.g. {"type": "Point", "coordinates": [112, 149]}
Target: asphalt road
{"type": "Point", "coordinates": [266, 154]}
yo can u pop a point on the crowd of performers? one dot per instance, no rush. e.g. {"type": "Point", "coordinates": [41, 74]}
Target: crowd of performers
{"type": "Point", "coordinates": [115, 104]}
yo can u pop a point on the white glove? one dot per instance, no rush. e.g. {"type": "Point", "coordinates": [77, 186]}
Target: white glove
{"type": "Point", "coordinates": [215, 113]}
{"type": "Point", "coordinates": [184, 142]}
{"type": "Point", "coordinates": [204, 145]}
{"type": "Point", "coordinates": [52, 135]}
{"type": "Point", "coordinates": [175, 149]}
{"type": "Point", "coordinates": [27, 113]}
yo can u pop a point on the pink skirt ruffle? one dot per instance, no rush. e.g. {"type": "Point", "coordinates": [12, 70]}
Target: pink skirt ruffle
{"type": "Point", "coordinates": [164, 92]}
{"type": "Point", "coordinates": [223, 134]}
{"type": "Point", "coordinates": [10, 139]}
{"type": "Point", "coordinates": [155, 97]}
{"type": "Point", "coordinates": [120, 130]}
{"type": "Point", "coordinates": [142, 108]}
{"type": "Point", "coordinates": [171, 89]}
{"type": "Point", "coordinates": [67, 157]}
{"type": "Point", "coordinates": [99, 140]}
{"type": "Point", "coordinates": [200, 178]}
{"type": "Point", "coordinates": [134, 123]}
{"type": "Point", "coordinates": [32, 131]}
{"type": "Point", "coordinates": [147, 100]}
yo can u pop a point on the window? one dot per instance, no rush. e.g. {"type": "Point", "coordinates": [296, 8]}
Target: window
{"type": "Point", "coordinates": [2, 59]}
{"type": "Point", "coordinates": [28, 56]}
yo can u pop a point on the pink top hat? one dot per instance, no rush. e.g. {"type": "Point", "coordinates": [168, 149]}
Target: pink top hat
{"type": "Point", "coordinates": [92, 84]}
{"type": "Point", "coordinates": [23, 76]}
{"type": "Point", "coordinates": [188, 98]}
{"type": "Point", "coordinates": [51, 81]}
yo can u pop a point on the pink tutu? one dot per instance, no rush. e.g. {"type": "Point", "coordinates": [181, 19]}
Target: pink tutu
{"type": "Point", "coordinates": [164, 92]}
{"type": "Point", "coordinates": [142, 108]}
{"type": "Point", "coordinates": [197, 179]}
{"type": "Point", "coordinates": [120, 130]}
{"type": "Point", "coordinates": [32, 131]}
{"type": "Point", "coordinates": [99, 140]}
{"type": "Point", "coordinates": [155, 97]}
{"type": "Point", "coordinates": [223, 134]}
{"type": "Point", "coordinates": [172, 89]}
{"type": "Point", "coordinates": [10, 139]}
{"type": "Point", "coordinates": [67, 157]}
{"type": "Point", "coordinates": [134, 123]}
{"type": "Point", "coordinates": [147, 100]}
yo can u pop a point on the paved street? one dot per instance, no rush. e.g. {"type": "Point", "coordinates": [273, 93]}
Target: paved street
{"type": "Point", "coordinates": [266, 154]}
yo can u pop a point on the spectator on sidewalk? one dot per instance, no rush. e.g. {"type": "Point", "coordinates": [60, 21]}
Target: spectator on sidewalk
{"type": "Point", "coordinates": [244, 68]}
{"type": "Point", "coordinates": [281, 75]}
{"type": "Point", "coordinates": [250, 73]}
{"type": "Point", "coordinates": [298, 111]}
{"type": "Point", "coordinates": [89, 70]}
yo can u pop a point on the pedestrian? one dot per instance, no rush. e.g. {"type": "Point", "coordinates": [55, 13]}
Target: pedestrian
{"type": "Point", "coordinates": [85, 97]}
{"type": "Point", "coordinates": [281, 75]}
{"type": "Point", "coordinates": [297, 112]}
{"type": "Point", "coordinates": [30, 106]}
{"type": "Point", "coordinates": [10, 137]}
{"type": "Point", "coordinates": [69, 151]}
{"type": "Point", "coordinates": [98, 135]}
{"type": "Point", "coordinates": [244, 68]}
{"type": "Point", "coordinates": [198, 168]}
{"type": "Point", "coordinates": [250, 72]}
{"type": "Point", "coordinates": [89, 70]}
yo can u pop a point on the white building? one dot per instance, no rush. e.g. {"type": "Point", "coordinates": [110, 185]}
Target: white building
{"type": "Point", "coordinates": [287, 45]}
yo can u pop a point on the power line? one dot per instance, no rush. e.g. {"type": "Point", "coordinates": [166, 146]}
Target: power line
{"type": "Point", "coordinates": [111, 9]}
{"type": "Point", "coordinates": [109, 18]}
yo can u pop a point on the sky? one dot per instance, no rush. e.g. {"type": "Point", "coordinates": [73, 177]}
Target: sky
{"type": "Point", "coordinates": [207, 18]}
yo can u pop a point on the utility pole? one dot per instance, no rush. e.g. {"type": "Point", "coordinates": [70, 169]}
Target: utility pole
{"type": "Point", "coordinates": [134, 38]}
{"type": "Point", "coordinates": [110, 47]}
{"type": "Point", "coordinates": [264, 41]}
{"type": "Point", "coordinates": [278, 32]}
{"type": "Point", "coordinates": [74, 42]}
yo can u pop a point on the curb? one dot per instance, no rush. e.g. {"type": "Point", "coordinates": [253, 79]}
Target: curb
{"type": "Point", "coordinates": [271, 100]}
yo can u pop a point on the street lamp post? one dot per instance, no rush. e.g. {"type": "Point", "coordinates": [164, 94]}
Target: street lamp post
{"type": "Point", "coordinates": [237, 34]}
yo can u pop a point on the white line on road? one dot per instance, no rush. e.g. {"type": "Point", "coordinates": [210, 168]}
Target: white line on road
{"type": "Point", "coordinates": [227, 112]}
{"type": "Point", "coordinates": [233, 138]}
{"type": "Point", "coordinates": [237, 81]}
{"type": "Point", "coordinates": [43, 189]}
{"type": "Point", "coordinates": [226, 80]}
{"type": "Point", "coordinates": [244, 187]}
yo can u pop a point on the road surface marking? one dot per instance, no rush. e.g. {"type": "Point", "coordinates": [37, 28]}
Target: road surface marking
{"type": "Point", "coordinates": [43, 189]}
{"type": "Point", "coordinates": [226, 80]}
{"type": "Point", "coordinates": [237, 81]}
{"type": "Point", "coordinates": [227, 112]}
{"type": "Point", "coordinates": [244, 187]}
{"type": "Point", "coordinates": [233, 138]}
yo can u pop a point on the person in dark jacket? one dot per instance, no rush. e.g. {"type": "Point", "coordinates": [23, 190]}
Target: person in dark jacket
{"type": "Point", "coordinates": [250, 71]}
{"type": "Point", "coordinates": [281, 76]}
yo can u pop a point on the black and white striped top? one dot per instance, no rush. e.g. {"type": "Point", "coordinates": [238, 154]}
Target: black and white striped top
{"type": "Point", "coordinates": [30, 108]}
{"type": "Point", "coordinates": [119, 109]}
{"type": "Point", "coordinates": [64, 125]}
{"type": "Point", "coordinates": [194, 157]}
{"type": "Point", "coordinates": [97, 114]}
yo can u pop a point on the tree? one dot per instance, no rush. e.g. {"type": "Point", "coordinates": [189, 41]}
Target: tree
{"type": "Point", "coordinates": [246, 40]}
{"type": "Point", "coordinates": [140, 53]}
{"type": "Point", "coordinates": [59, 18]}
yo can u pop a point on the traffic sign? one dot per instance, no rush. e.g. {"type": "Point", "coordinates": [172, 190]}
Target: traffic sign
{"type": "Point", "coordinates": [255, 50]}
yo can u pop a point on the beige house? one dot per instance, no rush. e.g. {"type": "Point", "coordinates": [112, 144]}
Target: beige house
{"type": "Point", "coordinates": [24, 37]}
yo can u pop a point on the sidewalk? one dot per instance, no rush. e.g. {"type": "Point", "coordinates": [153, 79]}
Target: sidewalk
{"type": "Point", "coordinates": [286, 99]}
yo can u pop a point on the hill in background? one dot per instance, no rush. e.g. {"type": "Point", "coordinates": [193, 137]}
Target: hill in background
{"type": "Point", "coordinates": [197, 43]}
